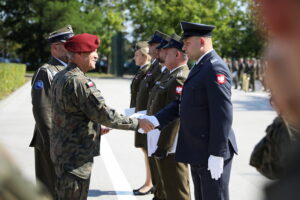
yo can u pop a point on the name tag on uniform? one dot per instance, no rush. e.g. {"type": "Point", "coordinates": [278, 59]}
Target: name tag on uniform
{"type": "Point", "coordinates": [162, 87]}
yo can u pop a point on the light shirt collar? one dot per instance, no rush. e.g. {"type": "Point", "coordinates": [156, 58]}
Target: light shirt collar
{"type": "Point", "coordinates": [163, 68]}
{"type": "Point", "coordinates": [153, 61]}
{"type": "Point", "coordinates": [62, 62]}
{"type": "Point", "coordinates": [203, 56]}
{"type": "Point", "coordinates": [141, 67]}
{"type": "Point", "coordinates": [176, 68]}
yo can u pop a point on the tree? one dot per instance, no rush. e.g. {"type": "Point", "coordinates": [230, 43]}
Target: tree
{"type": "Point", "coordinates": [234, 35]}
{"type": "Point", "coordinates": [28, 23]}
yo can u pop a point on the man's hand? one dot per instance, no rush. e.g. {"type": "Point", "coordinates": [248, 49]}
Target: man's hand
{"type": "Point", "coordinates": [105, 130]}
{"type": "Point", "coordinates": [146, 125]}
{"type": "Point", "coordinates": [215, 165]}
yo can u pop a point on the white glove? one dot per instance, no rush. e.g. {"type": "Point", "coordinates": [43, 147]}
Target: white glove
{"type": "Point", "coordinates": [151, 118]}
{"type": "Point", "coordinates": [215, 165]}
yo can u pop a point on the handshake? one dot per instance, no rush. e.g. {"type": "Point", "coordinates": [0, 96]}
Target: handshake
{"type": "Point", "coordinates": [147, 123]}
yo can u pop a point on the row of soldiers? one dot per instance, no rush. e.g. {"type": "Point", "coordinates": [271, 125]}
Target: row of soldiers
{"type": "Point", "coordinates": [245, 71]}
{"type": "Point", "coordinates": [192, 113]}
{"type": "Point", "coordinates": [157, 83]}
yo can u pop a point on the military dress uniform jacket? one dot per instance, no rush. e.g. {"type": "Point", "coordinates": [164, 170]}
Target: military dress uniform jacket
{"type": "Point", "coordinates": [78, 110]}
{"type": "Point", "coordinates": [205, 112]}
{"type": "Point", "coordinates": [134, 87]}
{"type": "Point", "coordinates": [146, 84]}
{"type": "Point", "coordinates": [166, 91]}
{"type": "Point", "coordinates": [41, 102]}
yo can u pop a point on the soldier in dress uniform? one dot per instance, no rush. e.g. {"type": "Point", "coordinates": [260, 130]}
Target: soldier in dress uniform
{"type": "Point", "coordinates": [174, 175]}
{"type": "Point", "coordinates": [146, 84]}
{"type": "Point", "coordinates": [206, 140]}
{"type": "Point", "coordinates": [78, 110]}
{"type": "Point", "coordinates": [142, 59]}
{"type": "Point", "coordinates": [41, 106]}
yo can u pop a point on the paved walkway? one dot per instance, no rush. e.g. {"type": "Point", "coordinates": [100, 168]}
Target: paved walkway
{"type": "Point", "coordinates": [120, 168]}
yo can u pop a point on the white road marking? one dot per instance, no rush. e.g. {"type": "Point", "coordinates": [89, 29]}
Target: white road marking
{"type": "Point", "coordinates": [115, 172]}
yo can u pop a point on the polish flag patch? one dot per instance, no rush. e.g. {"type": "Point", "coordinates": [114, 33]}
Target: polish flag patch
{"type": "Point", "coordinates": [178, 89]}
{"type": "Point", "coordinates": [90, 84]}
{"type": "Point", "coordinates": [221, 78]}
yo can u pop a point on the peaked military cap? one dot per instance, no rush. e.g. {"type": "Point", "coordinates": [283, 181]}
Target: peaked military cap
{"type": "Point", "coordinates": [61, 35]}
{"type": "Point", "coordinates": [174, 42]}
{"type": "Point", "coordinates": [164, 41]}
{"type": "Point", "coordinates": [157, 37]}
{"type": "Point", "coordinates": [194, 29]}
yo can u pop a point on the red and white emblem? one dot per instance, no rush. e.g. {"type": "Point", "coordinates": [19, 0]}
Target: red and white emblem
{"type": "Point", "coordinates": [221, 78]}
{"type": "Point", "coordinates": [178, 89]}
{"type": "Point", "coordinates": [90, 84]}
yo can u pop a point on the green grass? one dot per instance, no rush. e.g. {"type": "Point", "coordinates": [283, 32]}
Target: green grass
{"type": "Point", "coordinates": [12, 76]}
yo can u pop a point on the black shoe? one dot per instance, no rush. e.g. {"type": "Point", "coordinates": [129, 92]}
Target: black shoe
{"type": "Point", "coordinates": [137, 191]}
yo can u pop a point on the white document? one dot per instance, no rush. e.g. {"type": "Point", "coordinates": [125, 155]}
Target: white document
{"type": "Point", "coordinates": [129, 111]}
{"type": "Point", "coordinates": [152, 139]}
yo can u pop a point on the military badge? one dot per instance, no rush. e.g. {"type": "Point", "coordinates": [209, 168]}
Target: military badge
{"type": "Point", "coordinates": [178, 89]}
{"type": "Point", "coordinates": [221, 78]}
{"type": "Point", "coordinates": [39, 84]}
{"type": "Point", "coordinates": [90, 84]}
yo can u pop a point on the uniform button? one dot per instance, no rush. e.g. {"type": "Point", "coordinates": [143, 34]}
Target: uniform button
{"type": "Point", "coordinates": [203, 136]}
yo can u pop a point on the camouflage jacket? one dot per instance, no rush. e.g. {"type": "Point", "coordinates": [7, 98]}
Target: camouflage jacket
{"type": "Point", "coordinates": [78, 109]}
{"type": "Point", "coordinates": [14, 186]}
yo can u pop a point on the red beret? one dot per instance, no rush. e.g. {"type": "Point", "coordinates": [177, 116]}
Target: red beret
{"type": "Point", "coordinates": [82, 43]}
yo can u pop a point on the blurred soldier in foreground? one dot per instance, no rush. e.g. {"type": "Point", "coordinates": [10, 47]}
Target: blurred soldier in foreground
{"type": "Point", "coordinates": [174, 175]}
{"type": "Point", "coordinates": [78, 110]}
{"type": "Point", "coordinates": [13, 185]}
{"type": "Point", "coordinates": [283, 31]}
{"type": "Point", "coordinates": [40, 93]}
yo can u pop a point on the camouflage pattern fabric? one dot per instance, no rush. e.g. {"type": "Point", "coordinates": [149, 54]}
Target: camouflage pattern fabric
{"type": "Point", "coordinates": [78, 109]}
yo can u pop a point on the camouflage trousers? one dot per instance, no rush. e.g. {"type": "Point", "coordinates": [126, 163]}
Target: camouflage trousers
{"type": "Point", "coordinates": [69, 187]}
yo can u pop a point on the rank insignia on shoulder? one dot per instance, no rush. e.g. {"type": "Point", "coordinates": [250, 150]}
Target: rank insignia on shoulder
{"type": "Point", "coordinates": [90, 84]}
{"type": "Point", "coordinates": [221, 78]}
{"type": "Point", "coordinates": [39, 84]}
{"type": "Point", "coordinates": [179, 89]}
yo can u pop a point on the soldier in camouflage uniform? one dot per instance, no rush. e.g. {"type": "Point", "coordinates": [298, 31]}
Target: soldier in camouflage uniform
{"type": "Point", "coordinates": [13, 185]}
{"type": "Point", "coordinates": [40, 93]}
{"type": "Point", "coordinates": [173, 174]}
{"type": "Point", "coordinates": [145, 86]}
{"type": "Point", "coordinates": [78, 109]}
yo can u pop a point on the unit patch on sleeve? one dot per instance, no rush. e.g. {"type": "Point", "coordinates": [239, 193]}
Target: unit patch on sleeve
{"type": "Point", "coordinates": [39, 84]}
{"type": "Point", "coordinates": [221, 78]}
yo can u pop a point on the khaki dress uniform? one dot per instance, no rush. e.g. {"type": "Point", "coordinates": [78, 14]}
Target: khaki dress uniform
{"type": "Point", "coordinates": [41, 108]}
{"type": "Point", "coordinates": [142, 95]}
{"type": "Point", "coordinates": [135, 83]}
{"type": "Point", "coordinates": [174, 175]}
